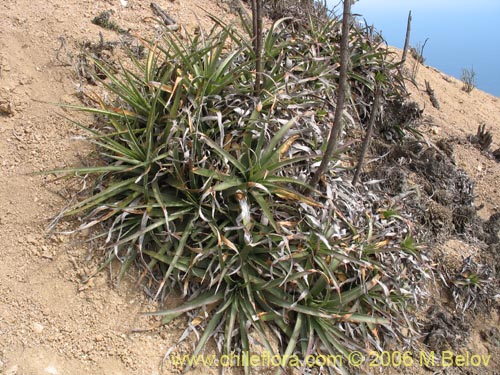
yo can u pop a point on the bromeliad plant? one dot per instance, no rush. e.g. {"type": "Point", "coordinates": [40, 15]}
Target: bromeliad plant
{"type": "Point", "coordinates": [203, 185]}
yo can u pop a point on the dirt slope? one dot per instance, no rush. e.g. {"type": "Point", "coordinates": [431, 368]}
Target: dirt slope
{"type": "Point", "coordinates": [49, 322]}
{"type": "Point", "coordinates": [459, 116]}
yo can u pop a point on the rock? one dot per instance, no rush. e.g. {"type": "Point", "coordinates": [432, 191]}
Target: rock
{"type": "Point", "coordinates": [496, 154]}
{"type": "Point", "coordinates": [99, 338]}
{"type": "Point", "coordinates": [38, 328]}
{"type": "Point", "coordinates": [7, 108]}
{"type": "Point", "coordinates": [46, 253]}
{"type": "Point", "coordinates": [51, 370]}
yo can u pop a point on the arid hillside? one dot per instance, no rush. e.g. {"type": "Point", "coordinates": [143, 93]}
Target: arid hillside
{"type": "Point", "coordinates": [52, 323]}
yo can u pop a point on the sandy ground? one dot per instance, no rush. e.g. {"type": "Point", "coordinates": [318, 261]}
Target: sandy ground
{"type": "Point", "coordinates": [459, 116]}
{"type": "Point", "coordinates": [50, 323]}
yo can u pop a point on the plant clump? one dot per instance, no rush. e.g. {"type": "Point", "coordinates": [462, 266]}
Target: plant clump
{"type": "Point", "coordinates": [473, 286]}
{"type": "Point", "coordinates": [103, 19]}
{"type": "Point", "coordinates": [468, 80]}
{"type": "Point", "coordinates": [204, 186]}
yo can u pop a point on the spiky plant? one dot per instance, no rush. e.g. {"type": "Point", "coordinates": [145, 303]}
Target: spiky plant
{"type": "Point", "coordinates": [468, 79]}
{"type": "Point", "coordinates": [473, 286]}
{"type": "Point", "coordinates": [202, 185]}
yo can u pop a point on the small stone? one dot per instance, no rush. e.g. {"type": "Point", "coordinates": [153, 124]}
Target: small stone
{"type": "Point", "coordinates": [46, 253]}
{"type": "Point", "coordinates": [51, 370]}
{"type": "Point", "coordinates": [99, 338]}
{"type": "Point", "coordinates": [435, 130]}
{"type": "Point", "coordinates": [7, 108]}
{"type": "Point", "coordinates": [38, 328]}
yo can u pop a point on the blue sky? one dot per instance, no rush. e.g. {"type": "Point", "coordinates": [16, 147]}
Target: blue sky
{"type": "Point", "coordinates": [462, 33]}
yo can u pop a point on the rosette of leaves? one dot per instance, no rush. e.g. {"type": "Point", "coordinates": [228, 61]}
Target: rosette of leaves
{"type": "Point", "coordinates": [202, 185]}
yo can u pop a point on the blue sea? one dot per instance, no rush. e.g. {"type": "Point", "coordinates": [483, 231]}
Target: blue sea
{"type": "Point", "coordinates": [461, 34]}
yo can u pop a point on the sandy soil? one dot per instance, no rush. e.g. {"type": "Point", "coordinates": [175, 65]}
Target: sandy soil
{"type": "Point", "coordinates": [459, 116]}
{"type": "Point", "coordinates": [50, 323]}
